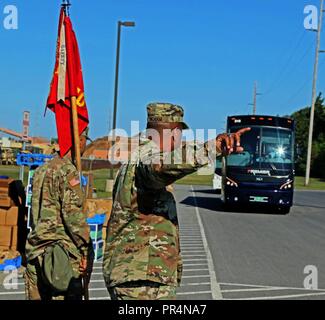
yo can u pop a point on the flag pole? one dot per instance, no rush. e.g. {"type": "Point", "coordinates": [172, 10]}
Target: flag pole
{"type": "Point", "coordinates": [76, 144]}
{"type": "Point", "coordinates": [76, 138]}
{"type": "Point", "coordinates": [75, 127]}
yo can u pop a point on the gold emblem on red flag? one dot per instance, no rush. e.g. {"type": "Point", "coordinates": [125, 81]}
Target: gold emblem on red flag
{"type": "Point", "coordinates": [81, 98]}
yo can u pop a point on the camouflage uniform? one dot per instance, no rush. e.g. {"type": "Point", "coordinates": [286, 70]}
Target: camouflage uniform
{"type": "Point", "coordinates": [57, 215]}
{"type": "Point", "coordinates": [142, 253]}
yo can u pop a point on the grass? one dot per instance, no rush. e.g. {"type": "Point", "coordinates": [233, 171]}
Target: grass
{"type": "Point", "coordinates": [100, 177]}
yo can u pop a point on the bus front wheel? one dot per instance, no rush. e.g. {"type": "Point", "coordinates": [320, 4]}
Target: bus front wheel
{"type": "Point", "coordinates": [284, 210]}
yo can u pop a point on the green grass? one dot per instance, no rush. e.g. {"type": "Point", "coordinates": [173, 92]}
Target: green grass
{"type": "Point", "coordinates": [315, 184]}
{"type": "Point", "coordinates": [100, 177]}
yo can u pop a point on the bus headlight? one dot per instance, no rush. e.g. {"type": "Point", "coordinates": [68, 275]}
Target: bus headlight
{"type": "Point", "coordinates": [287, 185]}
{"type": "Point", "coordinates": [231, 183]}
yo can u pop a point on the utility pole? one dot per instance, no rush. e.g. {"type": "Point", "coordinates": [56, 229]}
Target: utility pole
{"type": "Point", "coordinates": [312, 112]}
{"type": "Point", "coordinates": [255, 94]}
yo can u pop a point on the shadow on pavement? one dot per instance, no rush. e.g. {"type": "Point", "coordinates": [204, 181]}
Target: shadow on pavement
{"type": "Point", "coordinates": [215, 204]}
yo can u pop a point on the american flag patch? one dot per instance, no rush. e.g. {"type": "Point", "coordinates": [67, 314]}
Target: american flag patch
{"type": "Point", "coordinates": [74, 182]}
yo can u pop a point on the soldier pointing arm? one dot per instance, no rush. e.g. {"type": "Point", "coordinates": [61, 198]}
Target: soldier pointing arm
{"type": "Point", "coordinates": [142, 254]}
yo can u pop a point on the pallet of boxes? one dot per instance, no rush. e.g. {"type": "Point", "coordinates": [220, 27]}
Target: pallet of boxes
{"type": "Point", "coordinates": [13, 229]}
{"type": "Point", "coordinates": [98, 212]}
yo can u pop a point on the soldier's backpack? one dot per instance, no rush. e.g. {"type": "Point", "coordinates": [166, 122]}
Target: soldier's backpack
{"type": "Point", "coordinates": [57, 269]}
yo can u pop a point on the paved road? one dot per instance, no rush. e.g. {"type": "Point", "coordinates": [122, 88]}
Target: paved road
{"type": "Point", "coordinates": [240, 255]}
{"type": "Point", "coordinates": [262, 255]}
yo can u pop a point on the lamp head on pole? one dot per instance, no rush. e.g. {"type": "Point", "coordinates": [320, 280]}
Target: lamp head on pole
{"type": "Point", "coordinates": [127, 23]}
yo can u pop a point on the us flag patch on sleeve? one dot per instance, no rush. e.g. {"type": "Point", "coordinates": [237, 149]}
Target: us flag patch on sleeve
{"type": "Point", "coordinates": [74, 182]}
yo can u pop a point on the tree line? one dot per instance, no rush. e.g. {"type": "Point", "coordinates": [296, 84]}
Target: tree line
{"type": "Point", "coordinates": [302, 118]}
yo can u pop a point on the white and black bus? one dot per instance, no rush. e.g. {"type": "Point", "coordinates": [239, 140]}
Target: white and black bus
{"type": "Point", "coordinates": [264, 172]}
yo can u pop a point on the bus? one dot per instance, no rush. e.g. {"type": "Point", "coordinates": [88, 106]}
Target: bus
{"type": "Point", "coordinates": [263, 173]}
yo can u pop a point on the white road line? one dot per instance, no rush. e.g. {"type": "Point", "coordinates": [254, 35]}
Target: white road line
{"type": "Point", "coordinates": [194, 292]}
{"type": "Point", "coordinates": [251, 290]}
{"type": "Point", "coordinates": [12, 293]}
{"type": "Point", "coordinates": [198, 276]}
{"type": "Point", "coordinates": [194, 264]}
{"type": "Point", "coordinates": [100, 298]}
{"type": "Point", "coordinates": [195, 284]}
{"type": "Point", "coordinates": [263, 286]}
{"type": "Point", "coordinates": [216, 292]}
{"type": "Point", "coordinates": [194, 259]}
{"type": "Point", "coordinates": [190, 270]}
{"type": "Point", "coordinates": [193, 255]}
{"type": "Point", "coordinates": [283, 297]}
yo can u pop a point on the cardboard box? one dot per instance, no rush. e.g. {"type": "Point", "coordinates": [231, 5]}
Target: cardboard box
{"type": "Point", "coordinates": [4, 183]}
{"type": "Point", "coordinates": [12, 217]}
{"type": "Point", "coordinates": [4, 191]}
{"type": "Point", "coordinates": [14, 238]}
{"type": "Point", "coordinates": [5, 201]}
{"type": "Point", "coordinates": [5, 236]}
{"type": "Point", "coordinates": [98, 206]}
{"type": "Point", "coordinates": [3, 214]}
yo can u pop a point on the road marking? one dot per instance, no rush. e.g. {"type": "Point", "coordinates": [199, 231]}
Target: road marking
{"type": "Point", "coordinates": [12, 293]}
{"type": "Point", "coordinates": [195, 284]}
{"type": "Point", "coordinates": [100, 298]}
{"type": "Point", "coordinates": [194, 292]}
{"type": "Point", "coordinates": [263, 286]}
{"type": "Point", "coordinates": [282, 297]}
{"type": "Point", "coordinates": [194, 259]}
{"type": "Point", "coordinates": [194, 264]}
{"type": "Point", "coordinates": [252, 290]}
{"type": "Point", "coordinates": [190, 270]}
{"type": "Point", "coordinates": [198, 276]}
{"type": "Point", "coordinates": [193, 255]}
{"type": "Point", "coordinates": [216, 292]}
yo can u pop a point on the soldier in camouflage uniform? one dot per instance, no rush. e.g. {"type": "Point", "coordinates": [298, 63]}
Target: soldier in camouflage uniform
{"type": "Point", "coordinates": [142, 253]}
{"type": "Point", "coordinates": [58, 215]}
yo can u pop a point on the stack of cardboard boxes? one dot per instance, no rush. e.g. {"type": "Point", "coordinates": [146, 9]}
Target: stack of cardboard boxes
{"type": "Point", "coordinates": [10, 205]}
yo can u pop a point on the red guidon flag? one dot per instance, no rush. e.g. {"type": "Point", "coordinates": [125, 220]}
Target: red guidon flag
{"type": "Point", "coordinates": [67, 82]}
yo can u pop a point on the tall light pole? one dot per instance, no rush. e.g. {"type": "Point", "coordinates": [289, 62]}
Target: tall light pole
{"type": "Point", "coordinates": [255, 94]}
{"type": "Point", "coordinates": [312, 112]}
{"type": "Point", "coordinates": [120, 24]}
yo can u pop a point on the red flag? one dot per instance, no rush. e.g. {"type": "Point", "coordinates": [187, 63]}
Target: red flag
{"type": "Point", "coordinates": [67, 82]}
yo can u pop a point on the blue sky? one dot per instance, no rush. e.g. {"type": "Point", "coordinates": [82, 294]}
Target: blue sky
{"type": "Point", "coordinates": [204, 55]}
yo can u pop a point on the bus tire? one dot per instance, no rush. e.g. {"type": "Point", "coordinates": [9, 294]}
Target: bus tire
{"type": "Point", "coordinates": [284, 210]}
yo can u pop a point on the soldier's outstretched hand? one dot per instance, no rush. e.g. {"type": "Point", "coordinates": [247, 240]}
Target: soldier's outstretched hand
{"type": "Point", "coordinates": [229, 143]}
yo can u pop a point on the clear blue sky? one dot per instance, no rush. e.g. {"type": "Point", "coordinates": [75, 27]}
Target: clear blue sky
{"type": "Point", "coordinates": [204, 55]}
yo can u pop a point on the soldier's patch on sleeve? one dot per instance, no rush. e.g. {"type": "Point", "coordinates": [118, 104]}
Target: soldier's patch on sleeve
{"type": "Point", "coordinates": [73, 180]}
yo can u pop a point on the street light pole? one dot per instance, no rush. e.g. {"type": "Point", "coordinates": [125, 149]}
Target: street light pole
{"type": "Point", "coordinates": [312, 112]}
{"type": "Point", "coordinates": [118, 47]}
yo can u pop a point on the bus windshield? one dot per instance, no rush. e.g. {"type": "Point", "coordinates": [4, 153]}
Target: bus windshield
{"type": "Point", "coordinates": [264, 148]}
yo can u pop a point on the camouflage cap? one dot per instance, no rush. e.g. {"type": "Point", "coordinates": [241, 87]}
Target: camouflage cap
{"type": "Point", "coordinates": [165, 112]}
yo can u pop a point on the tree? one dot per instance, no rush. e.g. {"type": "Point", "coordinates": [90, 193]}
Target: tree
{"type": "Point", "coordinates": [302, 118]}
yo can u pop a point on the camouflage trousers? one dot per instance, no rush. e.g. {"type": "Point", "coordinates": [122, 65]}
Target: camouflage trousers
{"type": "Point", "coordinates": [142, 290]}
{"type": "Point", "coordinates": [37, 289]}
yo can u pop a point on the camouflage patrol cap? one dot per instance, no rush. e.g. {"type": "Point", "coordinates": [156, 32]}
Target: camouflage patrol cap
{"type": "Point", "coordinates": [165, 112]}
